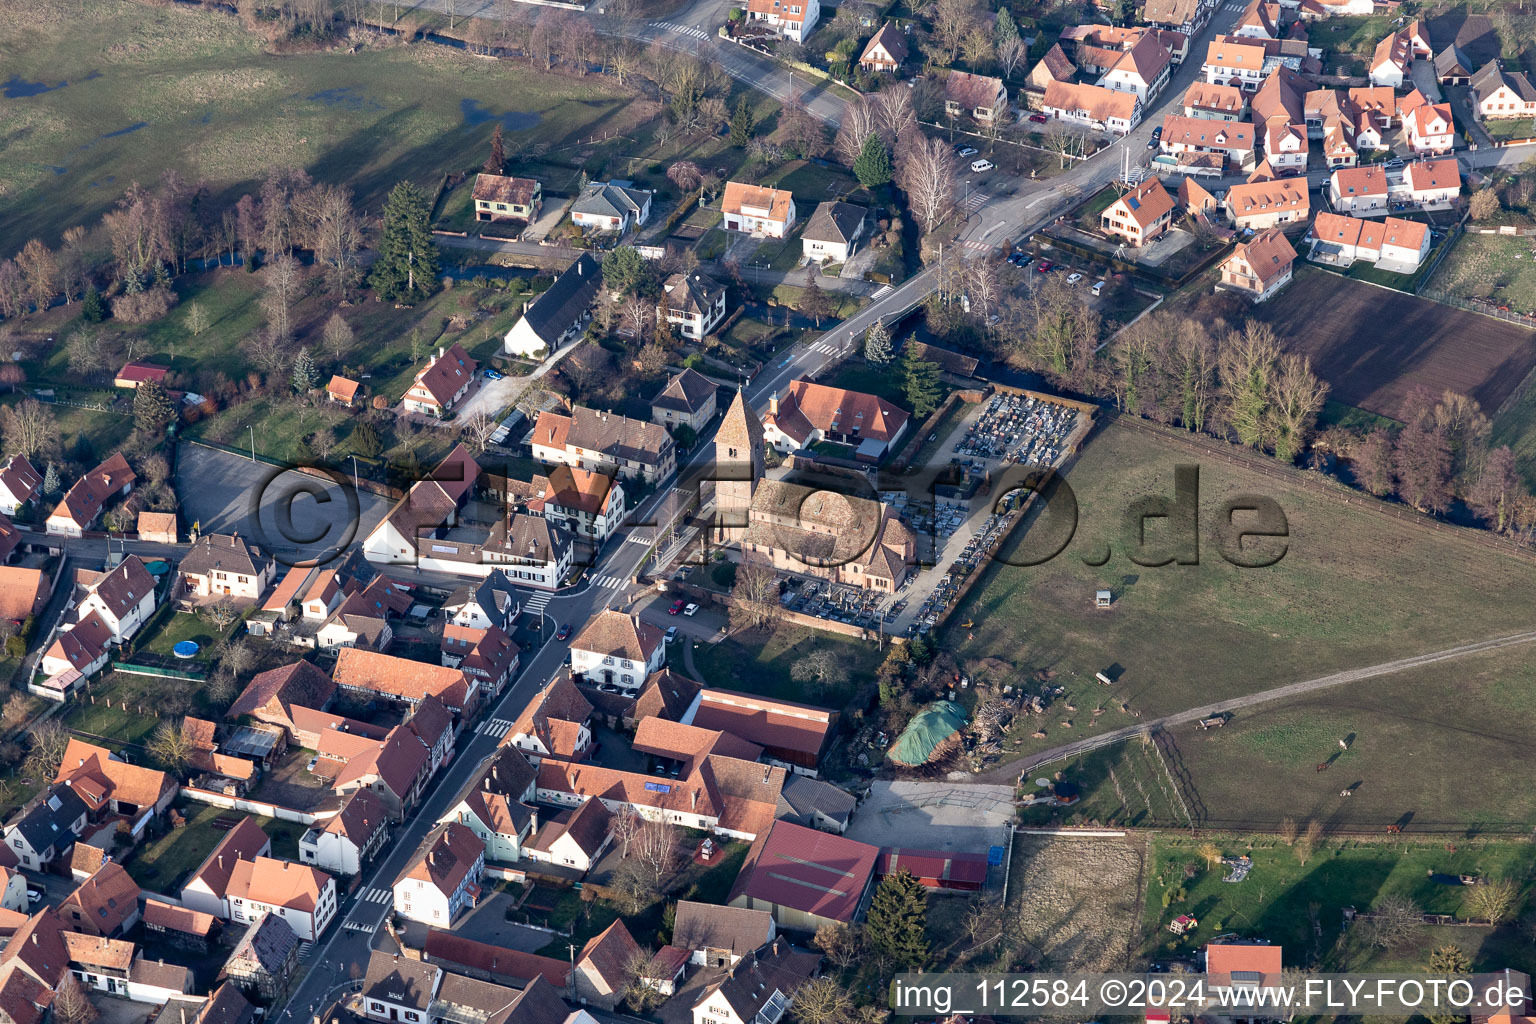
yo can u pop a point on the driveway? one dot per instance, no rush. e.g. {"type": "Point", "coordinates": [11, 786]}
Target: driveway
{"type": "Point", "coordinates": [934, 816]}
{"type": "Point", "coordinates": [493, 396]}
{"type": "Point", "coordinates": [488, 923]}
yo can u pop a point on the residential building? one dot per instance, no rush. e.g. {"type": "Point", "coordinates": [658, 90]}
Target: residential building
{"type": "Point", "coordinates": [815, 804]}
{"type": "Point", "coordinates": [1234, 972]}
{"type": "Point", "coordinates": [792, 19]}
{"type": "Point", "coordinates": [342, 390]}
{"type": "Point", "coordinates": [433, 725]}
{"type": "Point", "coordinates": [1342, 149]}
{"type": "Point", "coordinates": [395, 768]}
{"type": "Point", "coordinates": [1285, 147]}
{"type": "Point", "coordinates": [756, 210]}
{"type": "Point", "coordinates": [442, 383]}
{"type": "Point", "coordinates": [343, 843]}
{"type": "Point", "coordinates": [808, 412]}
{"type": "Point", "coordinates": [1055, 66]}
{"type": "Point", "coordinates": [207, 891]}
{"type": "Point", "coordinates": [496, 805]}
{"type": "Point", "coordinates": [719, 936]}
{"type": "Point", "coordinates": [265, 959]}
{"type": "Point", "coordinates": [886, 50]}
{"type": "Point", "coordinates": [833, 232]}
{"type": "Point", "coordinates": [497, 964]}
{"type": "Point", "coordinates": [1390, 61]}
{"type": "Point", "coordinates": [398, 988]}
{"type": "Point", "coordinates": [403, 681]}
{"type": "Point", "coordinates": [601, 974]}
{"type": "Point", "coordinates": [1430, 182]}
{"type": "Point", "coordinates": [980, 97]}
{"type": "Point", "coordinates": [157, 527]}
{"type": "Point", "coordinates": [491, 602]}
{"type": "Point", "coordinates": [1186, 16]}
{"type": "Point", "coordinates": [1215, 102]}
{"type": "Point", "coordinates": [1454, 67]}
{"type": "Point", "coordinates": [1141, 215]}
{"type": "Point", "coordinates": [443, 877]}
{"type": "Point", "coordinates": [1259, 267]}
{"type": "Point", "coordinates": [795, 736]}
{"type": "Point", "coordinates": [302, 896]}
{"type": "Point", "coordinates": [611, 207]}
{"type": "Point", "coordinates": [272, 697]}
{"type": "Point", "coordinates": [189, 929]}
{"type": "Point", "coordinates": [688, 400]}
{"type": "Point", "coordinates": [115, 967]}
{"type": "Point", "coordinates": [110, 785]}
{"type": "Point", "coordinates": [1092, 106]}
{"type": "Point", "coordinates": [1431, 130]}
{"type": "Point", "coordinates": [806, 878]}
{"type": "Point", "coordinates": [1391, 244]}
{"type": "Point", "coordinates": [499, 197]}
{"type": "Point", "coordinates": [558, 314]}
{"type": "Point", "coordinates": [105, 904]}
{"type": "Point", "coordinates": [573, 839]}
{"type": "Point", "coordinates": [1230, 141]}
{"type": "Point", "coordinates": [221, 564]}
{"type": "Point", "coordinates": [1358, 190]}
{"type": "Point", "coordinates": [84, 501]}
{"type": "Point", "coordinates": [1235, 62]}
{"type": "Point", "coordinates": [694, 303]}
{"type": "Point", "coordinates": [555, 722]}
{"type": "Point", "coordinates": [124, 598]}
{"type": "Point", "coordinates": [19, 483]}
{"type": "Point", "coordinates": [487, 655]}
{"type": "Point", "coordinates": [81, 649]}
{"type": "Point", "coordinates": [605, 442]}
{"type": "Point", "coordinates": [1267, 204]}
{"type": "Point", "coordinates": [1379, 104]}
{"type": "Point", "coordinates": [1259, 20]}
{"type": "Point", "coordinates": [1142, 69]}
{"type": "Point", "coordinates": [582, 502]}
{"type": "Point", "coordinates": [617, 649]}
{"type": "Point", "coordinates": [760, 989]}
{"type": "Point", "coordinates": [46, 831]}
{"type": "Point", "coordinates": [1497, 93]}
{"type": "Point", "coordinates": [13, 884]}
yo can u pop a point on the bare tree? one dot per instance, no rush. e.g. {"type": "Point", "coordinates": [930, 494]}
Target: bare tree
{"type": "Point", "coordinates": [840, 943]}
{"type": "Point", "coordinates": [236, 655]}
{"type": "Point", "coordinates": [983, 918]}
{"type": "Point", "coordinates": [172, 747]}
{"type": "Point", "coordinates": [926, 173]}
{"type": "Point", "coordinates": [1493, 900]}
{"type": "Point", "coordinates": [820, 669]}
{"type": "Point", "coordinates": [857, 126]}
{"type": "Point", "coordinates": [49, 741]}
{"type": "Point", "coordinates": [1010, 55]}
{"type": "Point", "coordinates": [1296, 397]}
{"type": "Point", "coordinates": [197, 319]}
{"type": "Point", "coordinates": [1288, 831]}
{"type": "Point", "coordinates": [639, 990]}
{"type": "Point", "coordinates": [755, 596]}
{"type": "Point", "coordinates": [41, 270]}
{"type": "Point", "coordinates": [1065, 140]}
{"type": "Point", "coordinates": [337, 236]}
{"type": "Point", "coordinates": [477, 431]}
{"type": "Point", "coordinates": [72, 263]}
{"type": "Point", "coordinates": [323, 443]}
{"type": "Point", "coordinates": [268, 351]}
{"type": "Point", "coordinates": [624, 826]}
{"type": "Point", "coordinates": [895, 116]}
{"type": "Point", "coordinates": [1393, 921]}
{"type": "Point", "coordinates": [283, 278]}
{"type": "Point", "coordinates": [85, 351]}
{"type": "Point", "coordinates": [29, 428]}
{"type": "Point", "coordinates": [655, 847]}
{"type": "Point", "coordinates": [221, 614]}
{"type": "Point", "coordinates": [70, 1003]}
{"type": "Point", "coordinates": [685, 174]}
{"type": "Point", "coordinates": [338, 335]}
{"type": "Point", "coordinates": [821, 1001]}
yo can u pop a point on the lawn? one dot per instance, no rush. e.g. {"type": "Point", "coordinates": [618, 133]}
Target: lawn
{"type": "Point", "coordinates": [1354, 588]}
{"type": "Point", "coordinates": [89, 435]}
{"type": "Point", "coordinates": [1289, 888]}
{"type": "Point", "coordinates": [152, 88]}
{"type": "Point", "coordinates": [755, 664]}
{"type": "Point", "coordinates": [1088, 213]}
{"type": "Point", "coordinates": [812, 184]}
{"type": "Point", "coordinates": [163, 864]}
{"type": "Point", "coordinates": [179, 627]}
{"type": "Point", "coordinates": [134, 724]}
{"type": "Point", "coordinates": [881, 381]}
{"type": "Point", "coordinates": [1515, 425]}
{"type": "Point", "coordinates": [1498, 268]}
{"type": "Point", "coordinates": [1511, 128]}
{"type": "Point", "coordinates": [940, 432]}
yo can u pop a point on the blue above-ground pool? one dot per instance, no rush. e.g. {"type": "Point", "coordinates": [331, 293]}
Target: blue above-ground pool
{"type": "Point", "coordinates": [185, 649]}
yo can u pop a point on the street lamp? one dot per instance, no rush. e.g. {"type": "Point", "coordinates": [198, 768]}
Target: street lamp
{"type": "Point", "coordinates": [355, 486]}
{"type": "Point", "coordinates": [252, 429]}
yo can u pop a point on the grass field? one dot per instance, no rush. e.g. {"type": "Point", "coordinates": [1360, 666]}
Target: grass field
{"type": "Point", "coordinates": [162, 864]}
{"type": "Point", "coordinates": [1515, 425]}
{"type": "Point", "coordinates": [1356, 337]}
{"type": "Point", "coordinates": [151, 88]}
{"type": "Point", "coordinates": [762, 665]}
{"type": "Point", "coordinates": [1354, 589]}
{"type": "Point", "coordinates": [1499, 268]}
{"type": "Point", "coordinates": [1285, 893]}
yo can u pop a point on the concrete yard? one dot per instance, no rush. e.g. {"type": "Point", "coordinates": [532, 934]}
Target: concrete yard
{"type": "Point", "coordinates": [934, 816]}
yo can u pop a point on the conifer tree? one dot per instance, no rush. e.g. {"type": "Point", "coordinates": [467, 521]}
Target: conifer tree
{"type": "Point", "coordinates": [897, 923]}
{"type": "Point", "coordinates": [407, 265]}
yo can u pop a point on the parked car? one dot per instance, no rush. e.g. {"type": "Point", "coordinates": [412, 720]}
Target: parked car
{"type": "Point", "coordinates": [1152, 142]}
{"type": "Point", "coordinates": [676, 606]}
{"type": "Point", "coordinates": [312, 762]}
{"type": "Point", "coordinates": [1044, 267]}
{"type": "Point", "coordinates": [963, 150]}
{"type": "Point", "coordinates": [34, 896]}
{"type": "Point", "coordinates": [671, 634]}
{"type": "Point", "coordinates": [1025, 259]}
{"type": "Point", "coordinates": [1039, 118]}
{"type": "Point", "coordinates": [1098, 288]}
{"type": "Point", "coordinates": [691, 610]}
{"type": "Point", "coordinates": [491, 373]}
{"type": "Point", "coordinates": [1074, 278]}
{"type": "Point", "coordinates": [564, 633]}
{"type": "Point", "coordinates": [982, 165]}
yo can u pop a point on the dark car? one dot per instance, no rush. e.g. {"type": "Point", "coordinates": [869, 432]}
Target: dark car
{"type": "Point", "coordinates": [565, 632]}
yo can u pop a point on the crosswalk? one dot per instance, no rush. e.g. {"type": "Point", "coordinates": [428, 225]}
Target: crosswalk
{"type": "Point", "coordinates": [536, 604]}
{"type": "Point", "coordinates": [974, 202]}
{"type": "Point", "coordinates": [495, 728]}
{"type": "Point", "coordinates": [306, 950]}
{"type": "Point", "coordinates": [358, 926]}
{"type": "Point", "coordinates": [640, 536]}
{"type": "Point", "coordinates": [686, 30]}
{"type": "Point", "coordinates": [375, 895]}
{"type": "Point", "coordinates": [826, 348]}
{"type": "Point", "coordinates": [1233, 7]}
{"type": "Point", "coordinates": [610, 582]}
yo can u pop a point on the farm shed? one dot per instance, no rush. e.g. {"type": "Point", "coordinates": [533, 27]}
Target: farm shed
{"type": "Point", "coordinates": [936, 869]}
{"type": "Point", "coordinates": [932, 733]}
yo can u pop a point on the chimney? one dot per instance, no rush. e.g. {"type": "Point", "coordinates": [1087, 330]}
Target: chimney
{"type": "Point", "coordinates": [430, 861]}
{"type": "Point", "coordinates": [773, 404]}
{"type": "Point", "coordinates": [767, 769]}
{"type": "Point", "coordinates": [693, 804]}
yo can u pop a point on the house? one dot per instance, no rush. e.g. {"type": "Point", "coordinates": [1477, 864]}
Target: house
{"type": "Point", "coordinates": [555, 722]}
{"type": "Point", "coordinates": [124, 598]}
{"type": "Point", "coordinates": [402, 680]}
{"type": "Point", "coordinates": [582, 502]}
{"type": "Point", "coordinates": [694, 303]}
{"type": "Point", "coordinates": [115, 967]}
{"type": "Point", "coordinates": [1260, 20]}
{"type": "Point", "coordinates": [573, 839]}
{"type": "Point", "coordinates": [1141, 215]}
{"type": "Point", "coordinates": [1430, 182]}
{"type": "Point", "coordinates": [271, 697]}
{"type": "Point", "coordinates": [558, 314]}
{"type": "Point", "coordinates": [491, 602]}
{"type": "Point", "coordinates": [109, 785]}
{"type": "Point", "coordinates": [157, 527]}
{"type": "Point", "coordinates": [265, 959]}
{"type": "Point", "coordinates": [1390, 61]}
{"type": "Point", "coordinates": [13, 886]}
{"type": "Point", "coordinates": [225, 1006]}
{"type": "Point", "coordinates": [1266, 204]}
{"type": "Point", "coordinates": [1215, 102]}
{"type": "Point", "coordinates": [207, 891]}
{"type": "Point", "coordinates": [23, 592]}
{"type": "Point", "coordinates": [80, 650]}
{"type": "Point", "coordinates": [362, 616]}
{"type": "Point", "coordinates": [1285, 147]}
{"type": "Point", "coordinates": [443, 877]}
{"type": "Point", "coordinates": [105, 904]}
{"type": "Point", "coordinates": [833, 232]}
{"type": "Point", "coordinates": [1497, 93]}
{"type": "Point", "coordinates": [792, 19]}
{"type": "Point", "coordinates": [1341, 149]}
{"type": "Point", "coordinates": [222, 564]}
{"type": "Point", "coordinates": [1196, 201]}
{"type": "Point", "coordinates": [719, 936]}
{"type": "Point", "coordinates": [1358, 190]}
{"type": "Point", "coordinates": [666, 695]}
{"type": "Point", "coordinates": [19, 482]}
{"type": "Point", "coordinates": [1055, 66]}
{"type": "Point", "coordinates": [1142, 69]}
{"type": "Point", "coordinates": [980, 97]}
{"type": "Point", "coordinates": [1453, 67]}
{"type": "Point", "coordinates": [499, 197]}
{"type": "Point", "coordinates": [617, 649]}
{"type": "Point", "coordinates": [1093, 106]}
{"type": "Point", "coordinates": [665, 971]}
{"type": "Point", "coordinates": [1235, 62]}
{"type": "Point", "coordinates": [46, 831]}
{"type": "Point", "coordinates": [756, 210]}
{"type": "Point", "coordinates": [350, 838]}
{"type": "Point", "coordinates": [433, 725]}
{"type": "Point", "coordinates": [302, 896]}
{"type": "Point", "coordinates": [760, 989]}
{"type": "Point", "coordinates": [495, 964]}
{"type": "Point", "coordinates": [1379, 104]}
{"type": "Point", "coordinates": [611, 207]}
{"type": "Point", "coordinates": [688, 400]}
{"type": "Point", "coordinates": [793, 735]}
{"type": "Point", "coordinates": [341, 390]}
{"type": "Point", "coordinates": [1236, 972]}
{"type": "Point", "coordinates": [815, 804]}
{"type": "Point", "coordinates": [1232, 142]}
{"type": "Point", "coordinates": [395, 768]}
{"type": "Point", "coordinates": [601, 974]}
{"type": "Point", "coordinates": [83, 502]}
{"type": "Point", "coordinates": [496, 805]}
{"type": "Point", "coordinates": [805, 878]}
{"type": "Point", "coordinates": [807, 412]}
{"type": "Point", "coordinates": [189, 929]}
{"type": "Point", "coordinates": [488, 655]}
{"type": "Point", "coordinates": [1431, 130]}
{"type": "Point", "coordinates": [1186, 16]}
{"type": "Point", "coordinates": [935, 869]}
{"type": "Point", "coordinates": [134, 374]}
{"type": "Point", "coordinates": [605, 442]}
{"type": "Point", "coordinates": [1391, 244]}
{"type": "Point", "coordinates": [442, 383]}
{"type": "Point", "coordinates": [886, 50]}
{"type": "Point", "coordinates": [1259, 267]}
{"type": "Point", "coordinates": [397, 988]}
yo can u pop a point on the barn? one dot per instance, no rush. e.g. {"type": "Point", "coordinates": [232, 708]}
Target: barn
{"type": "Point", "coordinates": [936, 869]}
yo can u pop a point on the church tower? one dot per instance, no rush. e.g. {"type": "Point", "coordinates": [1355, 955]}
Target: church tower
{"type": "Point", "coordinates": [738, 464]}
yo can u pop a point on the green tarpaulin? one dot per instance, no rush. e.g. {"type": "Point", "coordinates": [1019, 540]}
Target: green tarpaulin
{"type": "Point", "coordinates": [928, 729]}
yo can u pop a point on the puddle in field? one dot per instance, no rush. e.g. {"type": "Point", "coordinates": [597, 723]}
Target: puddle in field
{"type": "Point", "coordinates": [16, 88]}
{"type": "Point", "coordinates": [125, 131]}
{"type": "Point", "coordinates": [346, 97]}
{"type": "Point", "coordinates": [476, 114]}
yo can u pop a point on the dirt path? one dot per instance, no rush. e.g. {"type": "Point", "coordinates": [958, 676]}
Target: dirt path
{"type": "Point", "coordinates": [1010, 772]}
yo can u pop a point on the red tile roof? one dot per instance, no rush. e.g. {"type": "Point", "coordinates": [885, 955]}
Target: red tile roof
{"type": "Point", "coordinates": [445, 858]}
{"type": "Point", "coordinates": [808, 870]}
{"type": "Point", "coordinates": [399, 677]}
{"type": "Point", "coordinates": [22, 591]}
{"type": "Point", "coordinates": [278, 883]}
{"type": "Point", "coordinates": [608, 953]}
{"type": "Point", "coordinates": [83, 501]}
{"type": "Point", "coordinates": [177, 919]}
{"type": "Point", "coordinates": [245, 841]}
{"type": "Point", "coordinates": [446, 374]}
{"type": "Point", "coordinates": [804, 406]}
{"type": "Point", "coordinates": [449, 950]}
{"type": "Point", "coordinates": [103, 902]}
{"type": "Point", "coordinates": [87, 764]}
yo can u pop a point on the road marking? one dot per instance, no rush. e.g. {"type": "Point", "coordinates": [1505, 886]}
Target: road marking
{"type": "Point", "coordinates": [495, 728]}
{"type": "Point", "coordinates": [306, 950]}
{"type": "Point", "coordinates": [536, 604]}
{"type": "Point", "coordinates": [610, 582]}
{"type": "Point", "coordinates": [376, 895]}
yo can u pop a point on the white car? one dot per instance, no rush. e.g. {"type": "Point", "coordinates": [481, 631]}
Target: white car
{"type": "Point", "coordinates": [982, 165]}
{"type": "Point", "coordinates": [691, 610]}
{"type": "Point", "coordinates": [1098, 288]}
{"type": "Point", "coordinates": [34, 896]}
{"type": "Point", "coordinates": [1074, 278]}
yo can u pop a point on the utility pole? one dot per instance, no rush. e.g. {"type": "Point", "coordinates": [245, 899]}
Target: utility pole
{"type": "Point", "coordinates": [252, 429]}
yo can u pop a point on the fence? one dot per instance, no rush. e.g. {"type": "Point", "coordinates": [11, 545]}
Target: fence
{"type": "Point", "coordinates": [133, 669]}
{"type": "Point", "coordinates": [1438, 257]}
{"type": "Point", "coordinates": [1482, 308]}
{"type": "Point", "coordinates": [236, 803]}
{"type": "Point", "coordinates": [1150, 275]}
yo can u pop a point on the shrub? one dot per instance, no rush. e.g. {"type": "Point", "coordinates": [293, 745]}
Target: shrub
{"type": "Point", "coordinates": [143, 307]}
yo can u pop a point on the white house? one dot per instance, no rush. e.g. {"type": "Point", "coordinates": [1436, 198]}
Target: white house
{"type": "Point", "coordinates": [303, 896]}
{"type": "Point", "coordinates": [759, 989]}
{"type": "Point", "coordinates": [792, 19]}
{"type": "Point", "coordinates": [833, 232]}
{"type": "Point", "coordinates": [1358, 190]}
{"type": "Point", "coordinates": [1496, 94]}
{"type": "Point", "coordinates": [584, 503]}
{"type": "Point", "coordinates": [1231, 61]}
{"type": "Point", "coordinates": [617, 649]}
{"type": "Point", "coordinates": [612, 207]}
{"type": "Point", "coordinates": [1142, 70]}
{"type": "Point", "coordinates": [207, 891]}
{"type": "Point", "coordinates": [1391, 244]}
{"type": "Point", "coordinates": [442, 383]}
{"type": "Point", "coordinates": [443, 877]}
{"type": "Point", "coordinates": [573, 839]}
{"type": "Point", "coordinates": [1285, 147]}
{"type": "Point", "coordinates": [82, 648]}
{"type": "Point", "coordinates": [1431, 130]}
{"type": "Point", "coordinates": [756, 210]}
{"type": "Point", "coordinates": [693, 303]}
{"type": "Point", "coordinates": [225, 564]}
{"type": "Point", "coordinates": [491, 602]}
{"type": "Point", "coordinates": [124, 598]}
{"type": "Point", "coordinates": [1390, 61]}
{"type": "Point", "coordinates": [558, 314]}
{"type": "Point", "coordinates": [47, 830]}
{"type": "Point", "coordinates": [347, 840]}
{"type": "Point", "coordinates": [83, 502]}
{"type": "Point", "coordinates": [496, 805]}
{"type": "Point", "coordinates": [18, 483]}
{"type": "Point", "coordinates": [1092, 106]}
